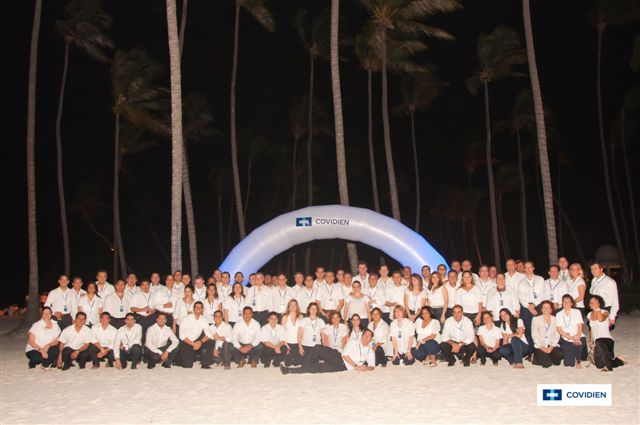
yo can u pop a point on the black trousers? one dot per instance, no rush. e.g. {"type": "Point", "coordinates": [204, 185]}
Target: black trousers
{"type": "Point", "coordinates": [93, 352]}
{"type": "Point", "coordinates": [117, 322]}
{"type": "Point", "coordinates": [67, 361]}
{"type": "Point", "coordinates": [224, 354]}
{"type": "Point", "coordinates": [381, 357]}
{"type": "Point", "coordinates": [35, 357]}
{"type": "Point", "coordinates": [483, 354]}
{"type": "Point", "coordinates": [65, 321]}
{"type": "Point", "coordinates": [603, 354]}
{"type": "Point", "coordinates": [465, 353]}
{"type": "Point", "coordinates": [387, 318]}
{"type": "Point", "coordinates": [545, 360]}
{"type": "Point", "coordinates": [133, 355]}
{"type": "Point", "coordinates": [261, 317]}
{"type": "Point", "coordinates": [187, 355]}
{"type": "Point", "coordinates": [293, 357]}
{"type": "Point", "coordinates": [146, 322]}
{"type": "Point", "coordinates": [154, 358]}
{"type": "Point", "coordinates": [252, 356]}
{"type": "Point", "coordinates": [573, 353]}
{"type": "Point", "coordinates": [269, 356]}
{"type": "Point", "coordinates": [437, 313]}
{"type": "Point", "coordinates": [404, 359]}
{"type": "Point", "coordinates": [320, 359]}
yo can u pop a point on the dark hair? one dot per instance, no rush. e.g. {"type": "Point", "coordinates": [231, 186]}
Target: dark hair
{"type": "Point", "coordinates": [46, 308]}
{"type": "Point", "coordinates": [215, 297]}
{"type": "Point", "coordinates": [161, 313]}
{"type": "Point", "coordinates": [130, 314]}
{"type": "Point", "coordinates": [80, 313]}
{"type": "Point", "coordinates": [553, 307]}
{"type": "Point", "coordinates": [374, 274]}
{"type": "Point", "coordinates": [367, 331]}
{"type": "Point", "coordinates": [105, 313]}
{"type": "Point", "coordinates": [233, 290]}
{"type": "Point", "coordinates": [271, 313]}
{"type": "Point", "coordinates": [599, 299]}
{"type": "Point", "coordinates": [457, 306]}
{"type": "Point", "coordinates": [567, 296]}
{"type": "Point", "coordinates": [428, 310]}
{"type": "Point", "coordinates": [376, 309]}
{"type": "Point", "coordinates": [313, 304]}
{"type": "Point", "coordinates": [247, 308]}
{"type": "Point", "coordinates": [190, 286]}
{"type": "Point", "coordinates": [196, 303]}
{"type": "Point", "coordinates": [513, 320]}
{"type": "Point", "coordinates": [554, 266]}
{"type": "Point", "coordinates": [487, 313]}
{"type": "Point", "coordinates": [364, 263]}
{"type": "Point", "coordinates": [360, 328]}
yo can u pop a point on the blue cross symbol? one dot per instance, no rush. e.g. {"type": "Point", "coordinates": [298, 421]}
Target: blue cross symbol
{"type": "Point", "coordinates": [303, 221]}
{"type": "Point", "coordinates": [552, 395]}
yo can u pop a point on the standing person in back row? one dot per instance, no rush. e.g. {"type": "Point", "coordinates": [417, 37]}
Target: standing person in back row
{"type": "Point", "coordinates": [117, 305]}
{"type": "Point", "coordinates": [62, 303]}
{"type": "Point", "coordinates": [607, 288]}
{"type": "Point", "coordinates": [259, 297]}
{"type": "Point", "coordinates": [530, 295]}
{"type": "Point", "coordinates": [281, 295]}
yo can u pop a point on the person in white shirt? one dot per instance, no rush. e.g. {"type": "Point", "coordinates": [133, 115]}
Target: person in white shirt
{"type": "Point", "coordinates": [375, 291]}
{"type": "Point", "coordinates": [347, 288]}
{"type": "Point", "coordinates": [131, 288]}
{"type": "Point", "coordinates": [77, 291]}
{"type": "Point", "coordinates": [546, 338]}
{"type": "Point", "coordinates": [340, 276]}
{"type": "Point", "coordinates": [530, 295]}
{"type": "Point", "coordinates": [600, 337]}
{"type": "Point", "coordinates": [91, 305]}
{"type": "Point", "coordinates": [74, 343]}
{"type": "Point", "coordinates": [308, 295]}
{"type": "Point", "coordinates": [569, 324]}
{"type": "Point", "coordinates": [427, 338]}
{"type": "Point", "coordinates": [489, 339]}
{"type": "Point", "coordinates": [382, 344]}
{"type": "Point", "coordinates": [576, 286]}
{"type": "Point", "coordinates": [42, 346]}
{"type": "Point", "coordinates": [238, 278]}
{"type": "Point", "coordinates": [512, 276]}
{"type": "Point", "coordinates": [493, 273]}
{"type": "Point", "coordinates": [359, 355]}
{"type": "Point", "coordinates": [165, 299]}
{"type": "Point", "coordinates": [563, 269]}
{"type": "Point", "coordinates": [406, 275]}
{"type": "Point", "coordinates": [319, 280]}
{"type": "Point", "coordinates": [142, 307]}
{"type": "Point", "coordinates": [426, 275]}
{"type": "Point", "coordinates": [358, 304]}
{"type": "Point", "coordinates": [103, 338]}
{"type": "Point", "coordinates": [234, 304]}
{"type": "Point", "coordinates": [502, 297]}
{"type": "Point", "coordinates": [62, 302]}
{"type": "Point", "coordinates": [451, 286]}
{"type": "Point", "coordinates": [554, 287]}
{"type": "Point", "coordinates": [384, 280]}
{"type": "Point", "coordinates": [402, 332]}
{"type": "Point", "coordinates": [291, 320]}
{"type": "Point", "coordinates": [224, 287]}
{"type": "Point", "coordinates": [514, 344]}
{"type": "Point", "coordinates": [184, 307]}
{"type": "Point", "coordinates": [281, 295]}
{"type": "Point", "coordinates": [222, 338]}
{"type": "Point", "coordinates": [161, 344]}
{"type": "Point", "coordinates": [181, 282]}
{"type": "Point", "coordinates": [274, 343]}
{"type": "Point", "coordinates": [442, 271]}
{"type": "Point", "coordinates": [363, 275]}
{"type": "Point", "coordinates": [195, 338]}
{"type": "Point", "coordinates": [199, 289]}
{"type": "Point", "coordinates": [259, 298]}
{"type": "Point", "coordinates": [116, 305]}
{"type": "Point", "coordinates": [298, 283]}
{"type": "Point", "coordinates": [212, 303]}
{"type": "Point", "coordinates": [246, 339]}
{"type": "Point", "coordinates": [467, 266]}
{"type": "Point", "coordinates": [414, 297]}
{"type": "Point", "coordinates": [128, 344]}
{"type": "Point", "coordinates": [330, 297]}
{"type": "Point", "coordinates": [309, 333]}
{"type": "Point", "coordinates": [607, 288]}
{"type": "Point", "coordinates": [394, 294]}
{"type": "Point", "coordinates": [355, 327]}
{"type": "Point", "coordinates": [335, 334]}
{"type": "Point", "coordinates": [470, 298]}
{"type": "Point", "coordinates": [437, 297]}
{"type": "Point", "coordinates": [104, 287]}
{"type": "Point", "coordinates": [458, 338]}
{"type": "Point", "coordinates": [484, 283]}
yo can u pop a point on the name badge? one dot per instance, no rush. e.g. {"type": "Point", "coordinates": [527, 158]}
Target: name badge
{"type": "Point", "coordinates": [64, 309]}
{"type": "Point", "coordinates": [546, 340]}
{"type": "Point", "coordinates": [330, 300]}
{"type": "Point", "coordinates": [535, 296]}
{"type": "Point", "coordinates": [253, 303]}
{"type": "Point", "coordinates": [239, 313]}
{"type": "Point", "coordinates": [551, 297]}
{"type": "Point", "coordinates": [399, 334]}
{"type": "Point", "coordinates": [501, 303]}
{"type": "Point", "coordinates": [282, 307]}
{"type": "Point", "coordinates": [314, 338]}
{"type": "Point", "coordinates": [121, 309]}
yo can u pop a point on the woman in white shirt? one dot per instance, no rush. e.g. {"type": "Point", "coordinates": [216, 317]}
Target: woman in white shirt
{"type": "Point", "coordinates": [514, 343]}
{"type": "Point", "coordinates": [489, 339]}
{"type": "Point", "coordinates": [335, 334]}
{"type": "Point", "coordinates": [380, 329]}
{"type": "Point", "coordinates": [358, 304]}
{"type": "Point", "coordinates": [469, 296]}
{"type": "Point", "coordinates": [184, 306]}
{"type": "Point", "coordinates": [42, 345]}
{"type": "Point", "coordinates": [414, 298]}
{"type": "Point", "coordinates": [355, 328]}
{"type": "Point", "coordinates": [212, 303]}
{"type": "Point", "coordinates": [91, 305]}
{"type": "Point", "coordinates": [291, 322]}
{"type": "Point", "coordinates": [545, 337]}
{"type": "Point", "coordinates": [577, 287]}
{"type": "Point", "coordinates": [600, 337]}
{"type": "Point", "coordinates": [309, 334]}
{"type": "Point", "coordinates": [402, 332]}
{"type": "Point", "coordinates": [234, 304]}
{"type": "Point", "coordinates": [569, 324]}
{"type": "Point", "coordinates": [427, 338]}
{"type": "Point", "coordinates": [437, 297]}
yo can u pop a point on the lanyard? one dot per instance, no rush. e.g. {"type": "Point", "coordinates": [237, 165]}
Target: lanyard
{"type": "Point", "coordinates": [373, 293]}
{"type": "Point", "coordinates": [146, 297]}
{"type": "Point", "coordinates": [211, 306]}
{"type": "Point", "coordinates": [274, 335]}
{"type": "Point", "coordinates": [313, 325]}
{"type": "Point", "coordinates": [459, 330]}
{"type": "Point", "coordinates": [547, 328]}
{"type": "Point", "coordinates": [307, 294]}
{"type": "Point", "coordinates": [482, 286]}
{"type": "Point", "coordinates": [415, 300]}
{"type": "Point", "coordinates": [335, 335]}
{"type": "Point", "coordinates": [128, 335]}
{"type": "Point", "coordinates": [330, 292]}
{"type": "Point", "coordinates": [360, 350]}
{"type": "Point", "coordinates": [66, 295]}
{"type": "Point", "coordinates": [132, 293]}
{"type": "Point", "coordinates": [553, 288]}
{"type": "Point", "coordinates": [101, 290]}
{"type": "Point", "coordinates": [564, 319]}
{"type": "Point", "coordinates": [282, 297]}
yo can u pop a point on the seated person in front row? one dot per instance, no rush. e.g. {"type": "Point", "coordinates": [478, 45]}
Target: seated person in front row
{"type": "Point", "coordinates": [546, 339]}
{"type": "Point", "coordinates": [457, 338]}
{"type": "Point", "coordinates": [489, 340]}
{"type": "Point", "coordinates": [161, 344]}
{"type": "Point", "coordinates": [246, 340]}
{"type": "Point", "coordinates": [195, 339]}
{"type": "Point", "coordinates": [273, 340]}
{"type": "Point", "coordinates": [103, 338]}
{"type": "Point", "coordinates": [223, 338]}
{"type": "Point", "coordinates": [128, 344]}
{"type": "Point", "coordinates": [42, 346]}
{"type": "Point", "coordinates": [74, 343]}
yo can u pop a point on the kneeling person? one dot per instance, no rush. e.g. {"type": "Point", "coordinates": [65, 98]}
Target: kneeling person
{"type": "Point", "coordinates": [128, 344]}
{"type": "Point", "coordinates": [246, 339]}
{"type": "Point", "coordinates": [195, 339]}
{"type": "Point", "coordinates": [222, 337]}
{"type": "Point", "coordinates": [160, 344]}
{"type": "Point", "coordinates": [103, 339]}
{"type": "Point", "coordinates": [74, 343]}
{"type": "Point", "coordinates": [457, 338]}
{"type": "Point", "coordinates": [272, 337]}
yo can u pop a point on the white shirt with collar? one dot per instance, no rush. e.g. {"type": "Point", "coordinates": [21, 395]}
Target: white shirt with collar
{"type": "Point", "coordinates": [376, 295]}
{"type": "Point", "coordinates": [42, 334]}
{"type": "Point", "coordinates": [159, 337]}
{"type": "Point", "coordinates": [244, 333]}
{"type": "Point", "coordinates": [280, 298]}
{"type": "Point", "coordinates": [234, 307]}
{"type": "Point", "coordinates": [506, 329]}
{"type": "Point", "coordinates": [211, 308]}
{"type": "Point", "coordinates": [381, 336]}
{"type": "Point", "coordinates": [469, 299]}
{"type": "Point", "coordinates": [126, 338]}
{"type": "Point", "coordinates": [569, 322]}
{"type": "Point", "coordinates": [394, 294]}
{"type": "Point", "coordinates": [531, 291]}
{"type": "Point", "coordinates": [490, 336]}
{"type": "Point", "coordinates": [544, 335]}
{"type": "Point", "coordinates": [274, 335]}
{"type": "Point", "coordinates": [60, 301]}
{"type": "Point", "coordinates": [572, 289]}
{"type": "Point", "coordinates": [485, 286]}
{"type": "Point", "coordinates": [319, 283]}
{"type": "Point", "coordinates": [424, 331]}
{"type": "Point", "coordinates": [192, 327]}
{"type": "Point", "coordinates": [117, 307]}
{"type": "Point", "coordinates": [260, 298]}
{"type": "Point", "coordinates": [223, 330]}
{"type": "Point", "coordinates": [91, 308]}
{"type": "Point", "coordinates": [104, 291]}
{"type": "Point", "coordinates": [311, 329]}
{"type": "Point", "coordinates": [75, 339]}
{"type": "Point", "coordinates": [335, 336]}
{"type": "Point", "coordinates": [182, 309]}
{"type": "Point", "coordinates": [451, 292]}
{"type": "Point", "coordinates": [130, 292]}
{"type": "Point", "coordinates": [607, 288]}
{"type": "Point", "coordinates": [329, 296]}
{"type": "Point", "coordinates": [155, 288]}
{"type": "Point", "coordinates": [200, 294]}
{"type": "Point", "coordinates": [78, 295]}
{"type": "Point", "coordinates": [106, 337]}
{"type": "Point", "coordinates": [461, 331]}
{"type": "Point", "coordinates": [513, 281]}
{"type": "Point", "coordinates": [364, 281]}
{"type": "Point", "coordinates": [165, 296]}
{"type": "Point", "coordinates": [564, 276]}
{"type": "Point", "coordinates": [385, 282]}
{"type": "Point", "coordinates": [402, 331]}
{"type": "Point", "coordinates": [142, 300]}
{"type": "Point", "coordinates": [497, 300]}
{"type": "Point", "coordinates": [359, 354]}
{"type": "Point", "coordinates": [306, 297]}
{"type": "Point", "coordinates": [224, 291]}
{"type": "Point", "coordinates": [554, 290]}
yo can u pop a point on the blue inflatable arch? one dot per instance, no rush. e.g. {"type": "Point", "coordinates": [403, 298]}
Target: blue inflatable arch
{"type": "Point", "coordinates": [331, 222]}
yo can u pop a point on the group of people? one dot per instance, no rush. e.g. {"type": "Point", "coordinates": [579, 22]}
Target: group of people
{"type": "Point", "coordinates": [333, 321]}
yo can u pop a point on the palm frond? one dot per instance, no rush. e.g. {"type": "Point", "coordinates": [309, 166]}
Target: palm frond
{"type": "Point", "coordinates": [260, 12]}
{"type": "Point", "coordinates": [416, 9]}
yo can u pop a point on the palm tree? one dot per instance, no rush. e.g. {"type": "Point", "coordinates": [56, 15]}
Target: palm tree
{"type": "Point", "coordinates": [400, 19]}
{"type": "Point", "coordinates": [260, 12]}
{"type": "Point", "coordinates": [138, 99]}
{"type": "Point", "coordinates": [183, 26]}
{"type": "Point", "coordinates": [543, 155]}
{"type": "Point", "coordinates": [611, 13]}
{"type": "Point", "coordinates": [418, 92]}
{"type": "Point", "coordinates": [84, 27]}
{"type": "Point", "coordinates": [498, 53]}
{"type": "Point", "coordinates": [33, 302]}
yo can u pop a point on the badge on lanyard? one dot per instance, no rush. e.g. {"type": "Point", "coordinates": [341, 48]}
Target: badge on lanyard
{"type": "Point", "coordinates": [501, 303]}
{"type": "Point", "coordinates": [551, 297]}
{"type": "Point", "coordinates": [239, 313]}
{"type": "Point", "coordinates": [253, 303]}
{"type": "Point", "coordinates": [399, 334]}
{"type": "Point", "coordinates": [535, 296]}
{"type": "Point", "coordinates": [64, 309]}
{"type": "Point", "coordinates": [282, 307]}
{"type": "Point", "coordinates": [121, 308]}
{"type": "Point", "coordinates": [314, 337]}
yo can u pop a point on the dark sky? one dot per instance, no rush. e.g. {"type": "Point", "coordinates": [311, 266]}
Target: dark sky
{"type": "Point", "coordinates": [273, 70]}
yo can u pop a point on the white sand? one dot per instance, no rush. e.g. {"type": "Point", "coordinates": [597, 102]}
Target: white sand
{"type": "Point", "coordinates": [414, 394]}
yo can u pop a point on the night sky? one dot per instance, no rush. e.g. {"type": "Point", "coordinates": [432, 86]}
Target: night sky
{"type": "Point", "coordinates": [273, 71]}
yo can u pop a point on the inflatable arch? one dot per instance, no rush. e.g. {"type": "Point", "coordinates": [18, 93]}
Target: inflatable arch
{"type": "Point", "coordinates": [331, 222]}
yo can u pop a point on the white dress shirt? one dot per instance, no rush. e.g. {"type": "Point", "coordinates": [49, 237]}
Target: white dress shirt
{"type": "Point", "coordinates": [126, 338]}
{"type": "Point", "coordinates": [155, 288]}
{"type": "Point", "coordinates": [513, 281]}
{"type": "Point", "coordinates": [75, 339]}
{"type": "Point", "coordinates": [531, 291]}
{"type": "Point", "coordinates": [234, 307]}
{"type": "Point", "coordinates": [376, 296]}
{"type": "Point", "coordinates": [599, 329]}
{"type": "Point", "coordinates": [211, 307]}
{"type": "Point", "coordinates": [490, 336]}
{"type": "Point", "coordinates": [572, 289]}
{"type": "Point", "coordinates": [461, 331]}
{"type": "Point", "coordinates": [329, 296]}
{"type": "Point", "coordinates": [78, 295]}
{"type": "Point", "coordinates": [607, 288]}
{"type": "Point", "coordinates": [200, 294]}
{"type": "Point", "coordinates": [159, 337]}
{"type": "Point", "coordinates": [130, 292]}
{"type": "Point", "coordinates": [192, 327]}
{"type": "Point", "coordinates": [259, 298]}
{"type": "Point", "coordinates": [359, 354]}
{"type": "Point", "coordinates": [506, 328]}
{"type": "Point", "coordinates": [43, 335]}
{"type": "Point", "coordinates": [223, 330]}
{"type": "Point", "coordinates": [104, 291]}
{"type": "Point", "coordinates": [335, 336]}
{"type": "Point", "coordinates": [469, 299]}
{"type": "Point", "coordinates": [117, 307]}
{"type": "Point", "coordinates": [381, 336]}
{"type": "Point", "coordinates": [60, 301]}
{"type": "Point", "coordinates": [306, 297]}
{"type": "Point", "coordinates": [165, 296]}
{"type": "Point", "coordinates": [274, 335]}
{"type": "Point", "coordinates": [485, 286]}
{"type": "Point", "coordinates": [415, 301]}
{"type": "Point", "coordinates": [497, 300]}
{"type": "Point", "coordinates": [554, 290]}
{"type": "Point", "coordinates": [544, 335]}
{"type": "Point", "coordinates": [91, 307]}
{"type": "Point", "coordinates": [280, 298]}
{"type": "Point", "coordinates": [106, 337]}
{"type": "Point", "coordinates": [182, 309]}
{"type": "Point", "coordinates": [394, 294]}
{"type": "Point", "coordinates": [244, 333]}
{"type": "Point", "coordinates": [311, 331]}
{"type": "Point", "coordinates": [424, 331]}
{"type": "Point", "coordinates": [451, 291]}
{"type": "Point", "coordinates": [403, 331]}
{"type": "Point", "coordinates": [569, 322]}
{"type": "Point", "coordinates": [142, 300]}
{"type": "Point", "coordinates": [435, 296]}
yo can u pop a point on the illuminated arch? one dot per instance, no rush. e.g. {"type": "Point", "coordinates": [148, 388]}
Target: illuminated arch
{"type": "Point", "coordinates": [331, 222]}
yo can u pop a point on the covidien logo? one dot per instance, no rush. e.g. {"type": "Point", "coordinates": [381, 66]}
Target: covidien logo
{"type": "Point", "coordinates": [575, 395]}
{"type": "Point", "coordinates": [303, 221]}
{"type": "Point", "coordinates": [552, 395]}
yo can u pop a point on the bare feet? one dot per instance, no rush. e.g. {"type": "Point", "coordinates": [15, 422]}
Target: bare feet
{"type": "Point", "coordinates": [241, 364]}
{"type": "Point", "coordinates": [518, 366]}
{"type": "Point", "coordinates": [624, 359]}
{"type": "Point", "coordinates": [578, 365]}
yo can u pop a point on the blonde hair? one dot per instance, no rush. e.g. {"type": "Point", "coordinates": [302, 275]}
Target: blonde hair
{"type": "Point", "coordinates": [580, 271]}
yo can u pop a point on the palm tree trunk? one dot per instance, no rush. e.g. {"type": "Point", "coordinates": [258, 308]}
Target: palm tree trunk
{"type": "Point", "coordinates": [545, 169]}
{"type": "Point", "coordinates": [220, 229]}
{"type": "Point", "coordinates": [632, 199]}
{"type": "Point", "coordinates": [188, 209]}
{"type": "Point", "coordinates": [572, 231]}
{"type": "Point", "coordinates": [372, 158]}
{"type": "Point", "coordinates": [117, 232]}
{"type": "Point", "coordinates": [341, 159]}
{"type": "Point", "coordinates": [33, 303]}
{"type": "Point", "coordinates": [476, 245]}
{"type": "Point", "coordinates": [183, 25]}
{"type": "Point", "coordinates": [156, 239]}
{"type": "Point", "coordinates": [177, 142]}
{"type": "Point", "coordinates": [495, 241]}
{"type": "Point", "coordinates": [393, 188]}
{"type": "Point", "coordinates": [524, 241]}
{"type": "Point", "coordinates": [234, 141]}
{"type": "Point", "coordinates": [464, 237]}
{"type": "Point", "coordinates": [310, 133]}
{"type": "Point", "coordinates": [605, 160]}
{"type": "Point", "coordinates": [246, 196]}
{"type": "Point", "coordinates": [61, 197]}
{"type": "Point", "coordinates": [416, 167]}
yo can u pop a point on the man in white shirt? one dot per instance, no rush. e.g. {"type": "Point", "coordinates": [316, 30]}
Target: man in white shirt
{"type": "Point", "coordinates": [165, 299]}
{"type": "Point", "coordinates": [451, 285]}
{"type": "Point", "coordinates": [223, 340]}
{"type": "Point", "coordinates": [103, 339]}
{"type": "Point", "coordinates": [246, 340]}
{"type": "Point", "coordinates": [307, 295]}
{"type": "Point", "coordinates": [607, 288]}
{"type": "Point", "coordinates": [563, 265]}
{"type": "Point", "coordinates": [128, 344]}
{"type": "Point", "coordinates": [319, 281]}
{"type": "Point", "coordinates": [77, 291]}
{"type": "Point", "coordinates": [116, 305]}
{"type": "Point", "coordinates": [281, 295]}
{"type": "Point", "coordinates": [375, 292]}
{"type": "Point", "coordinates": [104, 287]}
{"type": "Point", "coordinates": [555, 288]}
{"type": "Point", "coordinates": [484, 283]}
{"type": "Point", "coordinates": [330, 296]}
{"type": "Point", "coordinates": [363, 275]}
{"type": "Point", "coordinates": [155, 284]}
{"type": "Point", "coordinates": [530, 295]}
{"type": "Point", "coordinates": [501, 297]}
{"type": "Point", "coordinates": [273, 340]}
{"type": "Point", "coordinates": [467, 266]}
{"type": "Point", "coordinates": [512, 276]}
{"type": "Point", "coordinates": [458, 338]}
{"type": "Point", "coordinates": [62, 303]}
{"type": "Point", "coordinates": [131, 288]}
{"type": "Point", "coordinates": [74, 343]}
{"type": "Point", "coordinates": [142, 307]}
{"type": "Point", "coordinates": [298, 283]}
{"type": "Point", "coordinates": [394, 295]}
{"type": "Point", "coordinates": [359, 355]}
{"type": "Point", "coordinates": [161, 344]}
{"type": "Point", "coordinates": [384, 280]}
{"type": "Point", "coordinates": [199, 289]}
{"type": "Point", "coordinates": [195, 338]}
{"type": "Point", "coordinates": [259, 298]}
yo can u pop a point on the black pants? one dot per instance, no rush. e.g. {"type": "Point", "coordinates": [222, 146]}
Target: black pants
{"type": "Point", "coordinates": [483, 354]}
{"type": "Point", "coordinates": [293, 357]}
{"type": "Point", "coordinates": [465, 353]}
{"type": "Point", "coordinates": [603, 354]}
{"type": "Point", "coordinates": [146, 322]}
{"type": "Point", "coordinates": [404, 359]}
{"type": "Point", "coordinates": [67, 361]}
{"type": "Point", "coordinates": [269, 356]}
{"type": "Point", "coordinates": [436, 313]}
{"type": "Point", "coordinates": [572, 352]}
{"type": "Point", "coordinates": [381, 357]}
{"type": "Point", "coordinates": [448, 313]}
{"type": "Point", "coordinates": [545, 360]}
{"type": "Point", "coordinates": [252, 356]}
{"type": "Point", "coordinates": [154, 358]}
{"type": "Point", "coordinates": [35, 357]}
{"type": "Point", "coordinates": [261, 317]}
{"type": "Point", "coordinates": [387, 318]}
{"type": "Point", "coordinates": [133, 355]}
{"type": "Point", "coordinates": [320, 359]}
{"type": "Point", "coordinates": [117, 322]}
{"type": "Point", "coordinates": [65, 321]}
{"type": "Point", "coordinates": [187, 355]}
{"type": "Point", "coordinates": [224, 354]}
{"type": "Point", "coordinates": [93, 352]}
